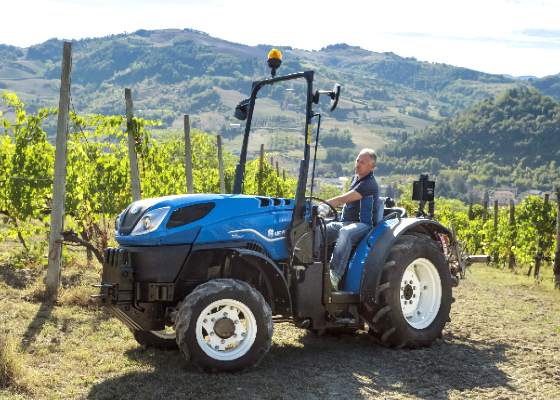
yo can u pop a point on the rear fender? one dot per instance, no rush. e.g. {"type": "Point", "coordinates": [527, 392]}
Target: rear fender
{"type": "Point", "coordinates": [373, 267]}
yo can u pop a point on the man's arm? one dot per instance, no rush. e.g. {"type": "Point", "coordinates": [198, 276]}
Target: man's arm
{"type": "Point", "coordinates": [347, 197]}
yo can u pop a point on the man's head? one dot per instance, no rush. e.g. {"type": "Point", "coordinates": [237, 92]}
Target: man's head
{"type": "Point", "coordinates": [365, 162]}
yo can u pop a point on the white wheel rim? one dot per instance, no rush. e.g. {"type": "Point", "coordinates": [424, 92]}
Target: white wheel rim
{"type": "Point", "coordinates": [231, 342]}
{"type": "Point", "coordinates": [420, 293]}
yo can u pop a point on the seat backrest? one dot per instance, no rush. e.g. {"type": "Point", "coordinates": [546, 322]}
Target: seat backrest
{"type": "Point", "coordinates": [378, 208]}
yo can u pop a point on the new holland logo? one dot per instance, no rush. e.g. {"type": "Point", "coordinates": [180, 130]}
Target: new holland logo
{"type": "Point", "coordinates": [271, 234]}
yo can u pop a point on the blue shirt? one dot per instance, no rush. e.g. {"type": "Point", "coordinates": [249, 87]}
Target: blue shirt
{"type": "Point", "coordinates": [362, 210]}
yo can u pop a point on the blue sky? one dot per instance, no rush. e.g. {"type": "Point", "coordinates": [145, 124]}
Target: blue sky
{"type": "Point", "coordinates": [516, 37]}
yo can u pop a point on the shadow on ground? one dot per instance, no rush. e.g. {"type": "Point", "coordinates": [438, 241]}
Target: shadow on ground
{"type": "Point", "coordinates": [345, 367]}
{"type": "Point", "coordinates": [18, 278]}
{"type": "Point", "coordinates": [37, 324]}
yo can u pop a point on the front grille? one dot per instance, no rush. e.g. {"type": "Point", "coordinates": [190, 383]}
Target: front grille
{"type": "Point", "coordinates": [114, 256]}
{"type": "Point", "coordinates": [117, 280]}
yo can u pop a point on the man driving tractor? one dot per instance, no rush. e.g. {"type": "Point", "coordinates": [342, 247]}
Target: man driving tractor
{"type": "Point", "coordinates": [203, 273]}
{"type": "Point", "coordinates": [357, 214]}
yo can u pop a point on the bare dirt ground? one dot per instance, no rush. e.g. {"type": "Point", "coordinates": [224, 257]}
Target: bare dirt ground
{"type": "Point", "coordinates": [503, 342]}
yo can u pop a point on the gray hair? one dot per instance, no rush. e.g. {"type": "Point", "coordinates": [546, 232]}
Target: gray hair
{"type": "Point", "coordinates": [371, 153]}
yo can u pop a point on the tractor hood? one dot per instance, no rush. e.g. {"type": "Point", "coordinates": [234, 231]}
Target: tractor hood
{"type": "Point", "coordinates": [180, 219]}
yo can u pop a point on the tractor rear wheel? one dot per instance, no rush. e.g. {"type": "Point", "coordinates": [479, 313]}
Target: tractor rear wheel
{"type": "Point", "coordinates": [224, 325]}
{"type": "Point", "coordinates": [415, 294]}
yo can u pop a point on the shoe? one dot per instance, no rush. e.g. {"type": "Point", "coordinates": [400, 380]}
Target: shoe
{"type": "Point", "coordinates": [335, 280]}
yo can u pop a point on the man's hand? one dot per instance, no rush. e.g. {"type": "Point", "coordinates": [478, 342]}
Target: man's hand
{"type": "Point", "coordinates": [323, 210]}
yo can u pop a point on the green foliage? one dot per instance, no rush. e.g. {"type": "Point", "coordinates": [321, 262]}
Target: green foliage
{"type": "Point", "coordinates": [327, 191]}
{"type": "Point", "coordinates": [26, 158]}
{"type": "Point", "coordinates": [272, 184]}
{"type": "Point", "coordinates": [98, 185]}
{"type": "Point", "coordinates": [336, 155]}
{"type": "Point", "coordinates": [534, 227]}
{"type": "Point", "coordinates": [335, 138]}
{"type": "Point", "coordinates": [97, 177]}
{"type": "Point", "coordinates": [32, 159]}
{"type": "Point", "coordinates": [510, 140]}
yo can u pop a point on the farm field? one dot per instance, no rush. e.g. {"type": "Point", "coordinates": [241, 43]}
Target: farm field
{"type": "Point", "coordinates": [503, 342]}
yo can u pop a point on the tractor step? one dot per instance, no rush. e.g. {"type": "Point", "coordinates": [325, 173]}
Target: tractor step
{"type": "Point", "coordinates": [340, 297]}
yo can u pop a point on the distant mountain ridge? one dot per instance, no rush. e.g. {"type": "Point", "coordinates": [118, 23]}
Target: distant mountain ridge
{"type": "Point", "coordinates": [175, 71]}
{"type": "Point", "coordinates": [469, 128]}
{"type": "Point", "coordinates": [549, 85]}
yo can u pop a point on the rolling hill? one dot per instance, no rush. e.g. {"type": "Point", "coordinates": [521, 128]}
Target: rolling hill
{"type": "Point", "coordinates": [511, 140]}
{"type": "Point", "coordinates": [386, 99]}
{"type": "Point", "coordinates": [173, 72]}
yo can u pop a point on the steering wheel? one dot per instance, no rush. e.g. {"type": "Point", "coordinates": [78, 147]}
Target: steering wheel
{"type": "Point", "coordinates": [333, 210]}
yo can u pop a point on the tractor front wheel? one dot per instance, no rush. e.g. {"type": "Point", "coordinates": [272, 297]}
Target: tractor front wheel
{"type": "Point", "coordinates": [415, 294]}
{"type": "Point", "coordinates": [224, 325]}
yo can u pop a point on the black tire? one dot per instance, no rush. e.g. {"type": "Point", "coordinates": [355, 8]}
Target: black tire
{"type": "Point", "coordinates": [387, 323]}
{"type": "Point", "coordinates": [224, 290]}
{"type": "Point", "coordinates": [162, 340]}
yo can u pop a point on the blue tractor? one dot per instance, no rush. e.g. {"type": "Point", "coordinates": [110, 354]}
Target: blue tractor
{"type": "Point", "coordinates": [210, 273]}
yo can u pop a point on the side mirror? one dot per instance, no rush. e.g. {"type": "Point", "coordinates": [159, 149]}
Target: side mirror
{"type": "Point", "coordinates": [335, 94]}
{"type": "Point", "coordinates": [241, 110]}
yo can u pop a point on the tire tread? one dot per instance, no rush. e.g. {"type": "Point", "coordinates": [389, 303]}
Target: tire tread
{"type": "Point", "coordinates": [386, 323]}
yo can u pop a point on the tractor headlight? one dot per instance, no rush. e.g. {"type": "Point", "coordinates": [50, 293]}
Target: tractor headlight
{"type": "Point", "coordinates": [118, 222]}
{"type": "Point", "coordinates": [150, 221]}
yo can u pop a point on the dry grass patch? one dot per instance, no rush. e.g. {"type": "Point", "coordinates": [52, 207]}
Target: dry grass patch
{"type": "Point", "coordinates": [503, 342]}
{"type": "Point", "coordinates": [12, 373]}
{"type": "Point", "coordinates": [78, 296]}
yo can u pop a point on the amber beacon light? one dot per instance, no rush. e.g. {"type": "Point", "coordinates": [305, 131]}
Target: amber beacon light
{"type": "Point", "coordinates": [274, 60]}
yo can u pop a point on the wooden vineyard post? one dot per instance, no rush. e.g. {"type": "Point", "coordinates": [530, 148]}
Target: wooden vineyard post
{"type": "Point", "coordinates": [284, 175]}
{"type": "Point", "coordinates": [511, 262]}
{"type": "Point", "coordinates": [59, 189]}
{"type": "Point", "coordinates": [261, 170]}
{"type": "Point", "coordinates": [495, 254]}
{"type": "Point", "coordinates": [188, 154]}
{"type": "Point", "coordinates": [496, 210]}
{"type": "Point", "coordinates": [485, 207]}
{"type": "Point", "coordinates": [470, 212]}
{"type": "Point", "coordinates": [278, 189]}
{"type": "Point", "coordinates": [539, 257]}
{"type": "Point", "coordinates": [557, 252]}
{"type": "Point", "coordinates": [134, 174]}
{"type": "Point", "coordinates": [221, 165]}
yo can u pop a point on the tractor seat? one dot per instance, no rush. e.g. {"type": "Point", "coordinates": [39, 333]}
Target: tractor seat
{"type": "Point", "coordinates": [378, 208]}
{"type": "Point", "coordinates": [384, 208]}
